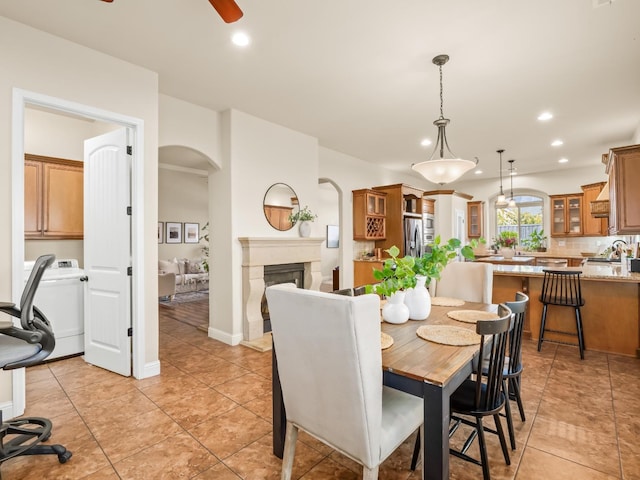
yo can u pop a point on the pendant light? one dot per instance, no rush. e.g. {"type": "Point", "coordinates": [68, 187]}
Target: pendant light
{"type": "Point", "coordinates": [502, 201]}
{"type": "Point", "coordinates": [443, 166]}
{"type": "Point", "coordinates": [512, 202]}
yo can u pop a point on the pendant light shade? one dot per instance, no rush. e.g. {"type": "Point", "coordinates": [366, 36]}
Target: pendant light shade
{"type": "Point", "coordinates": [502, 200]}
{"type": "Point", "coordinates": [443, 166]}
{"type": "Point", "coordinates": [512, 201]}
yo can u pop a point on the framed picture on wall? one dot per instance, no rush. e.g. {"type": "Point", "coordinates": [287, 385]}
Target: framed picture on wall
{"type": "Point", "coordinates": [160, 232]}
{"type": "Point", "coordinates": [333, 236]}
{"type": "Point", "coordinates": [191, 232]}
{"type": "Point", "coordinates": [173, 232]}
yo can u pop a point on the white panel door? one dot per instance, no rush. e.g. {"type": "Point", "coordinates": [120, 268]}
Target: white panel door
{"type": "Point", "coordinates": [107, 252]}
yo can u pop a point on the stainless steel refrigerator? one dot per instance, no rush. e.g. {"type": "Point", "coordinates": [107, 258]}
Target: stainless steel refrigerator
{"type": "Point", "coordinates": [413, 237]}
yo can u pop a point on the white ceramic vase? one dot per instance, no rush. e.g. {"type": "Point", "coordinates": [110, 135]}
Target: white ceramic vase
{"type": "Point", "coordinates": [507, 252]}
{"type": "Point", "coordinates": [305, 228]}
{"type": "Point", "coordinates": [418, 300]}
{"type": "Point", "coordinates": [395, 311]}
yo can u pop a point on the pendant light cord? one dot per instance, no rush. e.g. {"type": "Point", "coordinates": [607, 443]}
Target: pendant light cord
{"type": "Point", "coordinates": [441, 97]}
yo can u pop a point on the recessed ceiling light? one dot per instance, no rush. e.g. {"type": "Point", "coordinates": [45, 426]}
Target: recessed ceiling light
{"type": "Point", "coordinates": [425, 142]}
{"type": "Point", "coordinates": [545, 116]}
{"type": "Point", "coordinates": [563, 160]}
{"type": "Point", "coordinates": [557, 143]}
{"type": "Point", "coordinates": [240, 39]}
{"type": "Point", "coordinates": [478, 172]}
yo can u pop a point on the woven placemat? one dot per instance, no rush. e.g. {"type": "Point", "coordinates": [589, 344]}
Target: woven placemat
{"type": "Point", "coordinates": [446, 302]}
{"type": "Point", "coordinates": [448, 335]}
{"type": "Point", "coordinates": [471, 316]}
{"type": "Point", "coordinates": [386, 340]}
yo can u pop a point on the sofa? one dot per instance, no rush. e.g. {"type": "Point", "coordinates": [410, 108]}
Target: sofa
{"type": "Point", "coordinates": [188, 276]}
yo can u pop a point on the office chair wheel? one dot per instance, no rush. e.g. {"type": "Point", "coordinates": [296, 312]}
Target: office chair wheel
{"type": "Point", "coordinates": [63, 457]}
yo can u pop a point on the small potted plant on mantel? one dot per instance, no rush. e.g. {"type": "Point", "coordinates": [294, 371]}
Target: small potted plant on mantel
{"type": "Point", "coordinates": [304, 216]}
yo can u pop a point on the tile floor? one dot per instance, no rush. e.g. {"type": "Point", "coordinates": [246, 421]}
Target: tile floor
{"type": "Point", "coordinates": [208, 416]}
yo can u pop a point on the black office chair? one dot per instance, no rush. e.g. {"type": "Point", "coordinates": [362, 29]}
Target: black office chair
{"type": "Point", "coordinates": [23, 347]}
{"type": "Point", "coordinates": [562, 288]}
{"type": "Point", "coordinates": [513, 363]}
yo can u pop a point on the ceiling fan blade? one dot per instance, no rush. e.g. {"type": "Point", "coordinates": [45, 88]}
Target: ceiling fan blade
{"type": "Point", "coordinates": [227, 9]}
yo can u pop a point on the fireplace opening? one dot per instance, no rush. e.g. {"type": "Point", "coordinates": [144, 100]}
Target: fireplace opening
{"type": "Point", "coordinates": [274, 274]}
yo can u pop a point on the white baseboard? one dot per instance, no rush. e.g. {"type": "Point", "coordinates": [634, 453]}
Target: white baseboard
{"type": "Point", "coordinates": [224, 337]}
{"type": "Point", "coordinates": [151, 369]}
{"type": "Point", "coordinates": [8, 411]}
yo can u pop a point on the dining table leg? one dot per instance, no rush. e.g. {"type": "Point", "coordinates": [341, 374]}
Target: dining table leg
{"type": "Point", "coordinates": [435, 448]}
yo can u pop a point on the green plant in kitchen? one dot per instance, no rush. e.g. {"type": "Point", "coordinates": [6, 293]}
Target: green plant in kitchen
{"type": "Point", "coordinates": [438, 255]}
{"type": "Point", "coordinates": [396, 274]}
{"type": "Point", "coordinates": [304, 215]}
{"type": "Point", "coordinates": [536, 242]}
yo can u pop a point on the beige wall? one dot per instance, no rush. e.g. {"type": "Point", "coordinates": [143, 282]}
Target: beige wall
{"type": "Point", "coordinates": [47, 65]}
{"type": "Point", "coordinates": [182, 197]}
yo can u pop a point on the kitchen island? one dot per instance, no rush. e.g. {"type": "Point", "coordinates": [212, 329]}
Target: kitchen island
{"type": "Point", "coordinates": [610, 316]}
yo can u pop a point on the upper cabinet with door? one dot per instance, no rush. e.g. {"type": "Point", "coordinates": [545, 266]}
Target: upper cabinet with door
{"type": "Point", "coordinates": [54, 198]}
{"type": "Point", "coordinates": [623, 168]}
{"type": "Point", "coordinates": [566, 215]}
{"type": "Point", "coordinates": [369, 214]}
{"type": "Point", "coordinates": [474, 219]}
{"type": "Point", "coordinates": [402, 201]}
{"type": "Point", "coordinates": [593, 225]}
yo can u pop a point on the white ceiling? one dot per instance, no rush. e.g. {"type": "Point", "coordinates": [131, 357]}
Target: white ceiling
{"type": "Point", "coordinates": [357, 74]}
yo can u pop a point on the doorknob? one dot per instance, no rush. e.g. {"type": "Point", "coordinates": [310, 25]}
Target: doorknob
{"type": "Point", "coordinates": [84, 278]}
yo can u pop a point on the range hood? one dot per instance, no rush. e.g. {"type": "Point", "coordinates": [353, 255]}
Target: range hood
{"type": "Point", "coordinates": [599, 208]}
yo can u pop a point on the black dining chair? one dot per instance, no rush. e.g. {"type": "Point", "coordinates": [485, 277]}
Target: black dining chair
{"type": "Point", "coordinates": [482, 394]}
{"type": "Point", "coordinates": [562, 288]}
{"type": "Point", "coordinates": [513, 362]}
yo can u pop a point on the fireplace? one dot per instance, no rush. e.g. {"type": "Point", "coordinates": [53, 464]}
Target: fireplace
{"type": "Point", "coordinates": [274, 274]}
{"type": "Point", "coordinates": [261, 256]}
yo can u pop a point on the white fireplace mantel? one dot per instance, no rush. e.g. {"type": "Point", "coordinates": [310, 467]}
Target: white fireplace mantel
{"type": "Point", "coordinates": [258, 252]}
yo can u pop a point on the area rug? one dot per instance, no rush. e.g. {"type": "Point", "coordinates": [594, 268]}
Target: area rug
{"type": "Point", "coordinates": [186, 297]}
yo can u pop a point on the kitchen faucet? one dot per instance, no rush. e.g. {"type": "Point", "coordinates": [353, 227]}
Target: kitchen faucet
{"type": "Point", "coordinates": [617, 248]}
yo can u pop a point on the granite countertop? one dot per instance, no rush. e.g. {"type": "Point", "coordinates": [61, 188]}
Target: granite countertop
{"type": "Point", "coordinates": [589, 272]}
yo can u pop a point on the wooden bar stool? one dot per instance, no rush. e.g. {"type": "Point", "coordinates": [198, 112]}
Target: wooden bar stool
{"type": "Point", "coordinates": [562, 288]}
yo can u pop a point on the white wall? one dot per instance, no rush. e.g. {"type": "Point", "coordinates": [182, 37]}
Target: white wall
{"type": "Point", "coordinates": [48, 65]}
{"type": "Point", "coordinates": [182, 197]}
{"type": "Point", "coordinates": [328, 214]}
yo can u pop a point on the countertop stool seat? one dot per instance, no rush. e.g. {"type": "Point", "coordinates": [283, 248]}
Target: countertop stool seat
{"type": "Point", "coordinates": [562, 288]}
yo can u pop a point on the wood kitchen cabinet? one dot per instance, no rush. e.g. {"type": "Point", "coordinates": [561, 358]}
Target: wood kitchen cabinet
{"type": "Point", "coordinates": [54, 198]}
{"type": "Point", "coordinates": [592, 226]}
{"type": "Point", "coordinates": [402, 201]}
{"type": "Point", "coordinates": [475, 219]}
{"type": "Point", "coordinates": [369, 214]}
{"type": "Point", "coordinates": [363, 272]}
{"type": "Point", "coordinates": [623, 168]}
{"type": "Point", "coordinates": [566, 215]}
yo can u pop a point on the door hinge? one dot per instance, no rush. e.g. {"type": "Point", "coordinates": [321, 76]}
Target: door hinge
{"type": "Point", "coordinates": [128, 210]}
{"type": "Point", "coordinates": [130, 332]}
{"type": "Point", "coordinates": [129, 271]}
{"type": "Point", "coordinates": [129, 150]}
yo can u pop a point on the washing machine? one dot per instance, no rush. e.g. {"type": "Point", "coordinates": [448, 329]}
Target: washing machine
{"type": "Point", "coordinates": [60, 296]}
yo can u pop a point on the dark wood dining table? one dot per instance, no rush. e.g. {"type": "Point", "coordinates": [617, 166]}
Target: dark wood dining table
{"type": "Point", "coordinates": [423, 368]}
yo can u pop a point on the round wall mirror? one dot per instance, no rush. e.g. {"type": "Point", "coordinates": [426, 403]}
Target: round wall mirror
{"type": "Point", "coordinates": [280, 201]}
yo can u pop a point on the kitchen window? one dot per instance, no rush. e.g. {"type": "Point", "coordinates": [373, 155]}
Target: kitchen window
{"type": "Point", "coordinates": [525, 217]}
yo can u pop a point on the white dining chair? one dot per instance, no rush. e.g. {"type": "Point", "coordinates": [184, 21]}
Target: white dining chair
{"type": "Point", "coordinates": [469, 281]}
{"type": "Point", "coordinates": [330, 369]}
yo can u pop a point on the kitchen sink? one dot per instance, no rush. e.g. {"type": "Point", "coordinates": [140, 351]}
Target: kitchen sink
{"type": "Point", "coordinates": [603, 260]}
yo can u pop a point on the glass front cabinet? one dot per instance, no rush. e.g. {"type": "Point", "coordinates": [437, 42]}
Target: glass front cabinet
{"type": "Point", "coordinates": [566, 215]}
